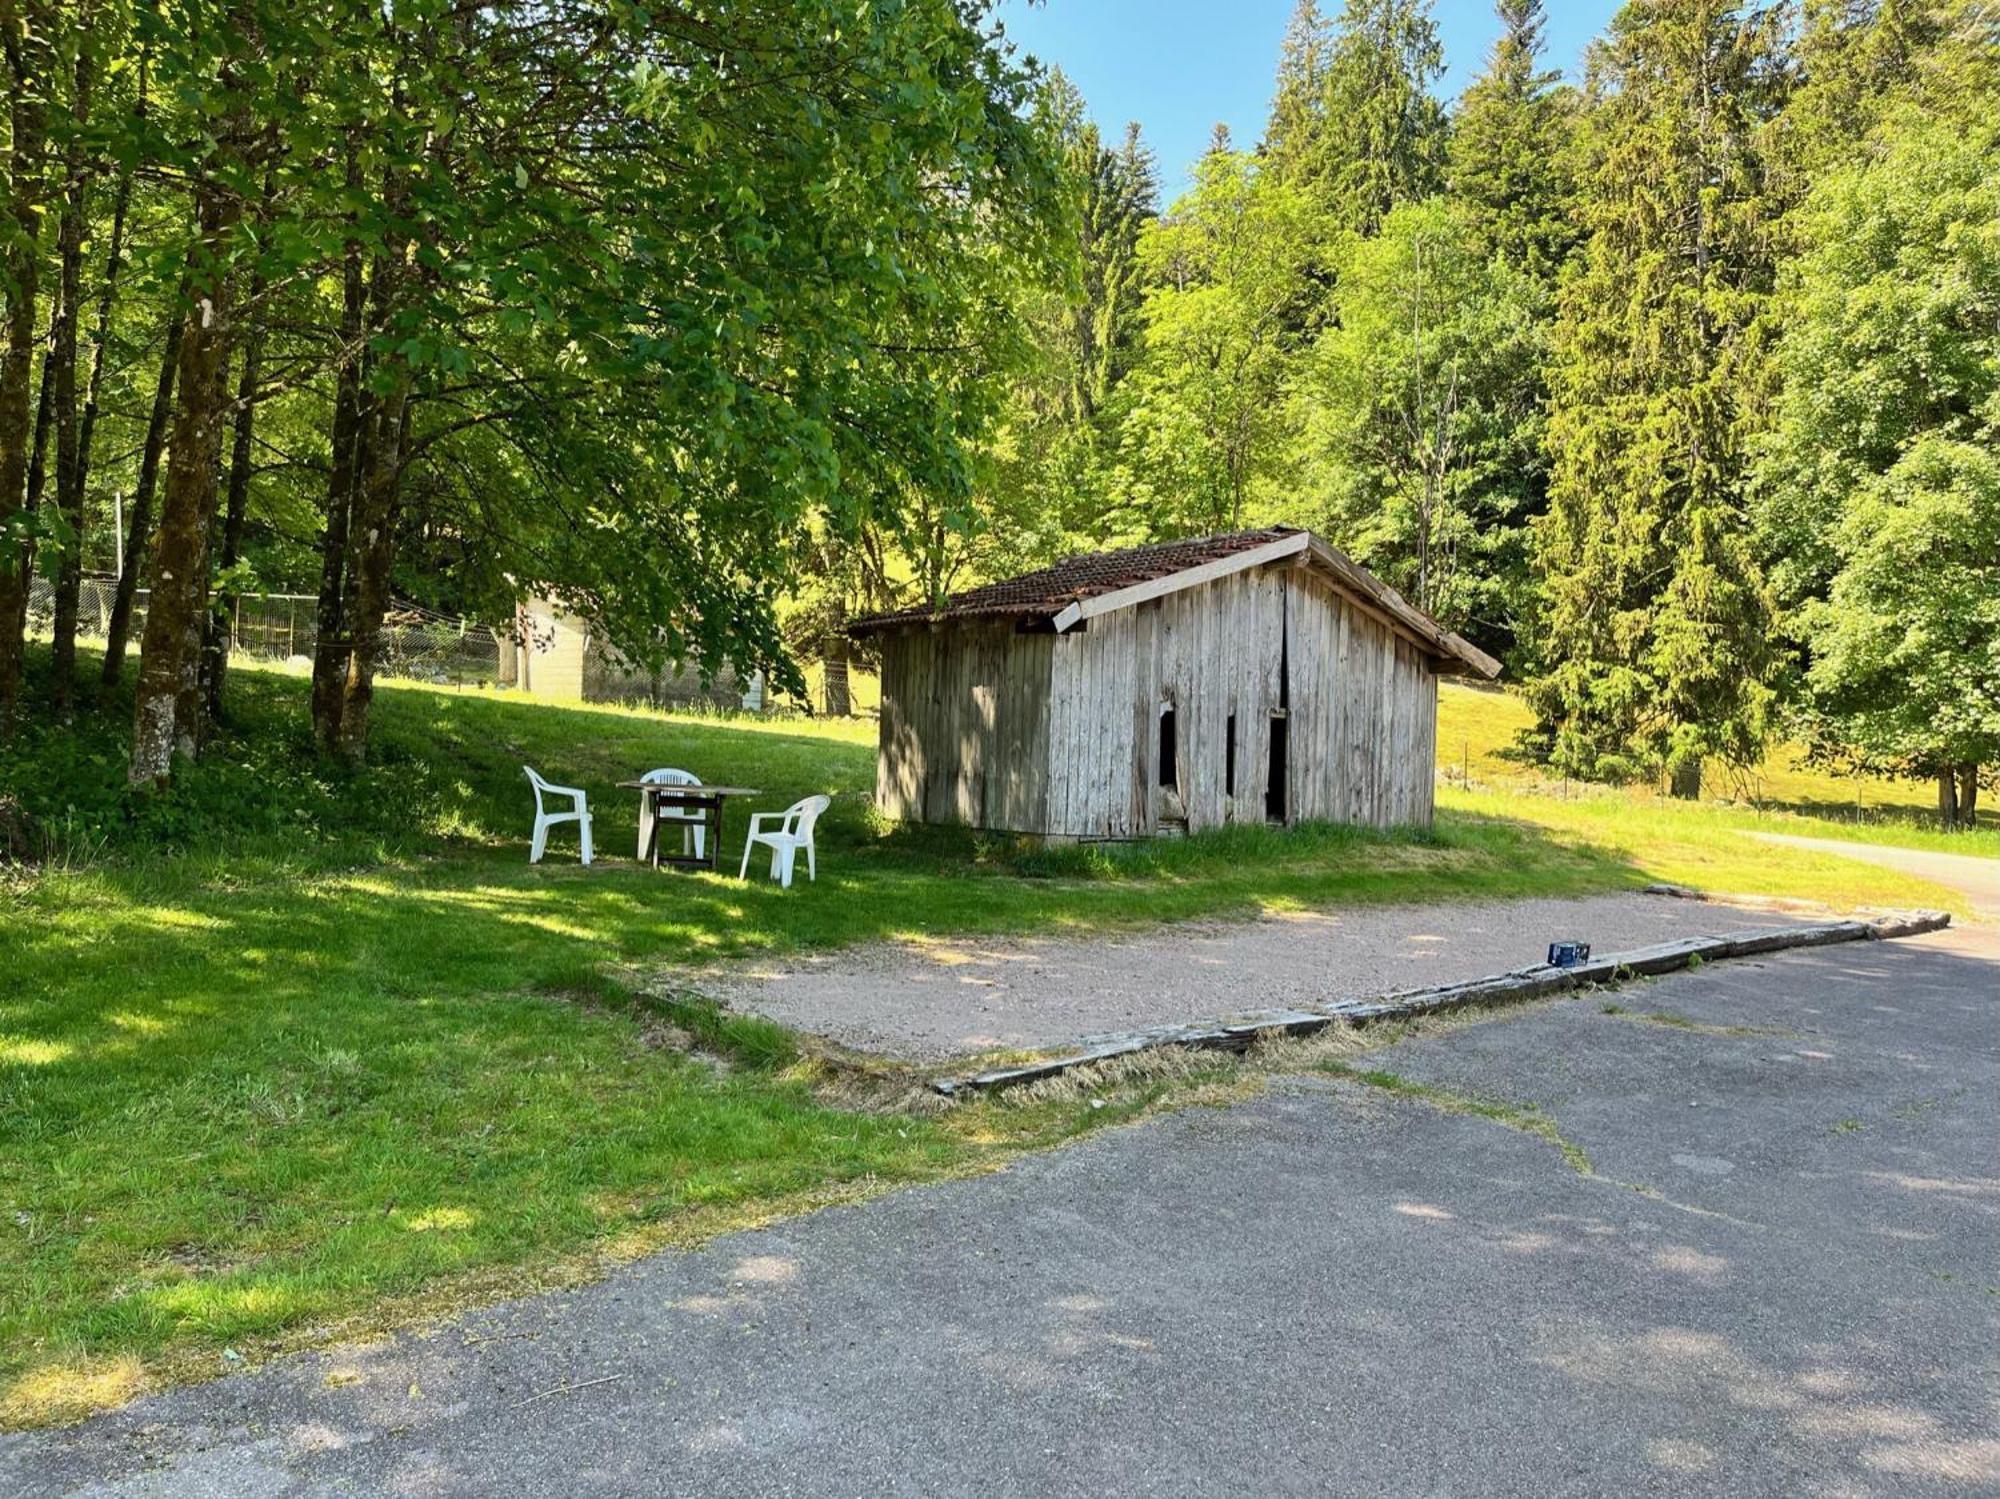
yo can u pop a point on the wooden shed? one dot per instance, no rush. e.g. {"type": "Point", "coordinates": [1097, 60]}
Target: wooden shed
{"type": "Point", "coordinates": [1258, 676]}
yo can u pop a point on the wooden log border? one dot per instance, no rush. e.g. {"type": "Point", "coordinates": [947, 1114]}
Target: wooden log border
{"type": "Point", "coordinates": [1537, 982]}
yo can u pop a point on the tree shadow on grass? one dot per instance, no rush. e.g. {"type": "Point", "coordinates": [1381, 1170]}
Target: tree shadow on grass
{"type": "Point", "coordinates": [262, 1078]}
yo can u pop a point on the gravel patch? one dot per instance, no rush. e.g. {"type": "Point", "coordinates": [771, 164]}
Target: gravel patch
{"type": "Point", "coordinates": [947, 998]}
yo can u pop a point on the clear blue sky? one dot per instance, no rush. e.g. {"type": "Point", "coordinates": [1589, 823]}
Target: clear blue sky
{"type": "Point", "coordinates": [1178, 66]}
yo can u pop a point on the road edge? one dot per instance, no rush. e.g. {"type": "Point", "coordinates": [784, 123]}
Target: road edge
{"type": "Point", "coordinates": [1540, 981]}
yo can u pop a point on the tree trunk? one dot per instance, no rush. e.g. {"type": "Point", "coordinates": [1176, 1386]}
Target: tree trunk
{"type": "Point", "coordinates": [100, 339]}
{"type": "Point", "coordinates": [1947, 784]}
{"type": "Point", "coordinates": [215, 648]}
{"type": "Point", "coordinates": [139, 527]}
{"type": "Point", "coordinates": [26, 55]}
{"type": "Point", "coordinates": [330, 645]}
{"type": "Point", "coordinates": [165, 715]}
{"type": "Point", "coordinates": [38, 449]}
{"type": "Point", "coordinates": [191, 724]}
{"type": "Point", "coordinates": [62, 369]}
{"type": "Point", "coordinates": [372, 554]}
{"type": "Point", "coordinates": [1968, 795]}
{"type": "Point", "coordinates": [1686, 783]}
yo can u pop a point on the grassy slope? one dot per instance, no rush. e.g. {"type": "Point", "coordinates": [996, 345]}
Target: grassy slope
{"type": "Point", "coordinates": [1477, 727]}
{"type": "Point", "coordinates": [280, 1049]}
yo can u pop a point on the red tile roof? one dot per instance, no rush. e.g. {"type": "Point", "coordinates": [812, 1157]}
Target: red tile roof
{"type": "Point", "coordinates": [1046, 593]}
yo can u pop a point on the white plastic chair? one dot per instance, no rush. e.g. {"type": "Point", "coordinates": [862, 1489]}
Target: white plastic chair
{"type": "Point", "coordinates": [794, 832]}
{"type": "Point", "coordinates": [695, 829]}
{"type": "Point", "coordinates": [545, 819]}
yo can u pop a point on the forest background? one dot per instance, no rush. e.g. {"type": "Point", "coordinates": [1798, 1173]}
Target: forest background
{"type": "Point", "coordinates": [1677, 388]}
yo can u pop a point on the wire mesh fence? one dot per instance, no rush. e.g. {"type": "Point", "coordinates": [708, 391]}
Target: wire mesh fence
{"type": "Point", "coordinates": [418, 645]}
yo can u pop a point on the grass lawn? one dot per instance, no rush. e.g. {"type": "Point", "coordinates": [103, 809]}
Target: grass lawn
{"type": "Point", "coordinates": [284, 1052]}
{"type": "Point", "coordinates": [1477, 728]}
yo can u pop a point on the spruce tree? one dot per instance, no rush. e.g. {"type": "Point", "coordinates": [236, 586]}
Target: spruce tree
{"type": "Point", "coordinates": [1383, 136]}
{"type": "Point", "coordinates": [1124, 198]}
{"type": "Point", "coordinates": [1511, 181]}
{"type": "Point", "coordinates": [1047, 473]}
{"type": "Point", "coordinates": [1656, 630]}
{"type": "Point", "coordinates": [1508, 162]}
{"type": "Point", "coordinates": [1298, 107]}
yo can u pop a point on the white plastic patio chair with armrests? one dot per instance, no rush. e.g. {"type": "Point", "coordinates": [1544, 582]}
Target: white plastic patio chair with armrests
{"type": "Point", "coordinates": [694, 823]}
{"type": "Point", "coordinates": [545, 819]}
{"type": "Point", "coordinates": [794, 832]}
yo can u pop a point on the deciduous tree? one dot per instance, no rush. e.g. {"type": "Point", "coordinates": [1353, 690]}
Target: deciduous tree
{"type": "Point", "coordinates": [1206, 421]}
{"type": "Point", "coordinates": [1877, 489]}
{"type": "Point", "coordinates": [1416, 410]}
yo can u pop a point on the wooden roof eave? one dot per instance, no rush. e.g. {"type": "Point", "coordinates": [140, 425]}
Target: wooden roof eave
{"type": "Point", "coordinates": [1020, 624]}
{"type": "Point", "coordinates": [1451, 654]}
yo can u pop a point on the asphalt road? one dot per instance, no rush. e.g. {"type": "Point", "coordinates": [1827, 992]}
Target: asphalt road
{"type": "Point", "coordinates": [1779, 1275]}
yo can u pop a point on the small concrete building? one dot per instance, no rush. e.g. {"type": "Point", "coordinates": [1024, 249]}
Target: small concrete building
{"type": "Point", "coordinates": [1260, 676]}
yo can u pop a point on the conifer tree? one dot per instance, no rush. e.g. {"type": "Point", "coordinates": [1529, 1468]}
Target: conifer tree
{"type": "Point", "coordinates": [1383, 136]}
{"type": "Point", "coordinates": [1121, 196]}
{"type": "Point", "coordinates": [1508, 161]}
{"type": "Point", "coordinates": [1510, 186]}
{"type": "Point", "coordinates": [1355, 130]}
{"type": "Point", "coordinates": [1852, 57]}
{"type": "Point", "coordinates": [1047, 475]}
{"type": "Point", "coordinates": [1656, 633]}
{"type": "Point", "coordinates": [1298, 106]}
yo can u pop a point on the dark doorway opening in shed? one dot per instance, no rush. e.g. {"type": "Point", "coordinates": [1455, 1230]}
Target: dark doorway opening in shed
{"type": "Point", "coordinates": [1274, 779]}
{"type": "Point", "coordinates": [1170, 765]}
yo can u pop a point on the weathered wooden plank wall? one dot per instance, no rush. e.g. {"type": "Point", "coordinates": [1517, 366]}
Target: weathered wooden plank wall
{"type": "Point", "coordinates": [1210, 653]}
{"type": "Point", "coordinates": [1059, 734]}
{"type": "Point", "coordinates": [1364, 713]}
{"type": "Point", "coordinates": [964, 715]}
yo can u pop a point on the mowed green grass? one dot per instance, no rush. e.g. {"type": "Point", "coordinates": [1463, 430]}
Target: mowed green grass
{"type": "Point", "coordinates": [285, 1050]}
{"type": "Point", "coordinates": [1478, 728]}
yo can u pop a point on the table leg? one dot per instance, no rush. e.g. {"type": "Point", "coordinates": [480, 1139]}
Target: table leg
{"type": "Point", "coordinates": [715, 836]}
